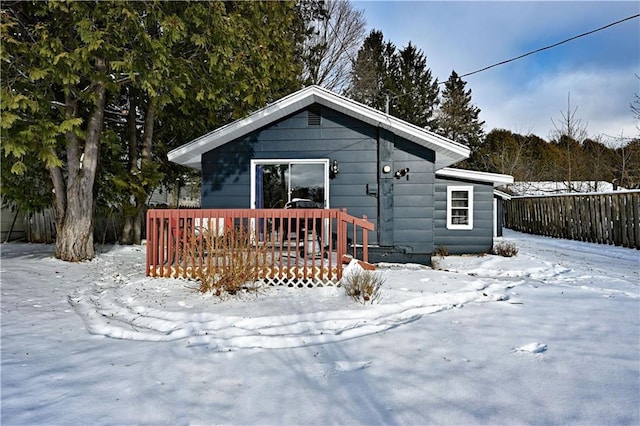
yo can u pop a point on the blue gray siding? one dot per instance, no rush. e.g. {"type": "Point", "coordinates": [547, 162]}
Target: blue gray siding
{"type": "Point", "coordinates": [409, 212]}
{"type": "Point", "coordinates": [413, 197]}
{"type": "Point", "coordinates": [476, 240]}
{"type": "Point", "coordinates": [353, 144]}
{"type": "Point", "coordinates": [402, 209]}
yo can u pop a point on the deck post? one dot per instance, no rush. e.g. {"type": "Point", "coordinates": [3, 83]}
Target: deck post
{"type": "Point", "coordinates": [365, 242]}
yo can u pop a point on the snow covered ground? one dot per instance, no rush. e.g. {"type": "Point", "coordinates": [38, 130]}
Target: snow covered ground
{"type": "Point", "coordinates": [551, 336]}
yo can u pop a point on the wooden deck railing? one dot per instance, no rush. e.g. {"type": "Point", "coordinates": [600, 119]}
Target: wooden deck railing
{"type": "Point", "coordinates": [298, 245]}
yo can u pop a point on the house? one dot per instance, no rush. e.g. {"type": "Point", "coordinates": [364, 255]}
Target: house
{"type": "Point", "coordinates": [319, 146]}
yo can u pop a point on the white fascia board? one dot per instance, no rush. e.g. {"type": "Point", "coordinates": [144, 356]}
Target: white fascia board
{"type": "Point", "coordinates": [447, 151]}
{"type": "Point", "coordinates": [495, 178]}
{"type": "Point", "coordinates": [190, 153]}
{"type": "Point", "coordinates": [501, 194]}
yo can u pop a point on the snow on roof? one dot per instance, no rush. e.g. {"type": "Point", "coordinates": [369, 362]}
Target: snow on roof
{"type": "Point", "coordinates": [552, 188]}
{"type": "Point", "coordinates": [448, 152]}
{"type": "Point", "coordinates": [501, 194]}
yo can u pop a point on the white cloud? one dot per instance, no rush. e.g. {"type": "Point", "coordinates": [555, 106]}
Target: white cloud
{"type": "Point", "coordinates": [601, 97]}
{"type": "Point", "coordinates": [522, 96]}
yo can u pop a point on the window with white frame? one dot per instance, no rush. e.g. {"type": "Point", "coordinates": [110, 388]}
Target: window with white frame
{"type": "Point", "coordinates": [275, 182]}
{"type": "Point", "coordinates": [460, 207]}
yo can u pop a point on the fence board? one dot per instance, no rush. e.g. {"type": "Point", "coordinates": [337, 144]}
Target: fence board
{"type": "Point", "coordinates": [610, 218]}
{"type": "Point", "coordinates": [636, 213]}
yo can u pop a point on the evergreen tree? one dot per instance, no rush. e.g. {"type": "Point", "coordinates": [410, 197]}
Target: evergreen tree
{"type": "Point", "coordinates": [372, 73]}
{"type": "Point", "coordinates": [397, 82]}
{"type": "Point", "coordinates": [458, 117]}
{"type": "Point", "coordinates": [415, 90]}
{"type": "Point", "coordinates": [89, 83]}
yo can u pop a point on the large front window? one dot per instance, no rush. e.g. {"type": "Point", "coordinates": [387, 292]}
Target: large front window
{"type": "Point", "coordinates": [460, 207]}
{"type": "Point", "coordinates": [278, 182]}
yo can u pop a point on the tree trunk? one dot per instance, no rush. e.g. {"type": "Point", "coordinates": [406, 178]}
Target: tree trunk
{"type": "Point", "coordinates": [74, 242]}
{"type": "Point", "coordinates": [130, 211]}
{"type": "Point", "coordinates": [74, 207]}
{"type": "Point", "coordinates": [13, 224]}
{"type": "Point", "coordinates": [147, 145]}
{"type": "Point", "coordinates": [134, 212]}
{"type": "Point", "coordinates": [126, 236]}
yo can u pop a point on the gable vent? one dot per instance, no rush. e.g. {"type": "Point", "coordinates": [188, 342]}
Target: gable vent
{"type": "Point", "coordinates": [313, 119]}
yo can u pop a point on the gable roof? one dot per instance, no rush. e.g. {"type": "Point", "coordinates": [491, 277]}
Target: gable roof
{"type": "Point", "coordinates": [447, 151]}
{"type": "Point", "coordinates": [496, 179]}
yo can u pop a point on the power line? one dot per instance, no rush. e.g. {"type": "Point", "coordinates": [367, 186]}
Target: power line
{"type": "Point", "coordinates": [548, 47]}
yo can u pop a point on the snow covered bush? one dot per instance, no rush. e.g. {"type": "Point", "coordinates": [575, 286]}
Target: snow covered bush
{"type": "Point", "coordinates": [231, 262]}
{"type": "Point", "coordinates": [438, 254]}
{"type": "Point", "coordinates": [441, 251]}
{"type": "Point", "coordinates": [361, 285]}
{"type": "Point", "coordinates": [505, 249]}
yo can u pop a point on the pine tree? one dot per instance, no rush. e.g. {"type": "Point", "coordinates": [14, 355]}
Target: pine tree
{"type": "Point", "coordinates": [397, 82]}
{"type": "Point", "coordinates": [372, 72]}
{"type": "Point", "coordinates": [416, 92]}
{"type": "Point", "coordinates": [458, 117]}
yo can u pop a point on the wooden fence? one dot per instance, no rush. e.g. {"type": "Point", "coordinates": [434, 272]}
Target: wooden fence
{"type": "Point", "coordinates": [40, 227]}
{"type": "Point", "coordinates": [610, 218]}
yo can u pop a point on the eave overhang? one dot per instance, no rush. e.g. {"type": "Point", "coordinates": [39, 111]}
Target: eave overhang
{"type": "Point", "coordinates": [496, 179]}
{"type": "Point", "coordinates": [447, 151]}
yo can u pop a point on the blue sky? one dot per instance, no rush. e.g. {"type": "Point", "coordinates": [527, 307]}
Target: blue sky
{"type": "Point", "coordinates": [598, 70]}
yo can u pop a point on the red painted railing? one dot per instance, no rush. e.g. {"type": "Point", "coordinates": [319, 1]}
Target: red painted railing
{"type": "Point", "coordinates": [295, 244]}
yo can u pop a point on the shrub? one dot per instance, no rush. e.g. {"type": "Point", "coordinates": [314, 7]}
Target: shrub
{"type": "Point", "coordinates": [230, 261]}
{"type": "Point", "coordinates": [441, 251]}
{"type": "Point", "coordinates": [438, 252]}
{"type": "Point", "coordinates": [363, 286]}
{"type": "Point", "coordinates": [505, 249]}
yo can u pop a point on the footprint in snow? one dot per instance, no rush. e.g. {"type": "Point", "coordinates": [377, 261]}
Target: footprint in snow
{"type": "Point", "coordinates": [478, 285]}
{"type": "Point", "coordinates": [338, 367]}
{"type": "Point", "coordinates": [348, 366]}
{"type": "Point", "coordinates": [533, 348]}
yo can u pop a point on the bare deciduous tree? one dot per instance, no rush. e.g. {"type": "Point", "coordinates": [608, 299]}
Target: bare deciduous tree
{"type": "Point", "coordinates": [635, 107]}
{"type": "Point", "coordinates": [335, 38]}
{"type": "Point", "coordinates": [569, 133]}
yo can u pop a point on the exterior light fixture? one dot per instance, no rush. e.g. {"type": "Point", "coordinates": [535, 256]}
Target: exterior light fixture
{"type": "Point", "coordinates": [401, 173]}
{"type": "Point", "coordinates": [334, 169]}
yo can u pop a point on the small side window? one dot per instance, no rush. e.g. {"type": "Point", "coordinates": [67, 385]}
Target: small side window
{"type": "Point", "coordinates": [460, 207]}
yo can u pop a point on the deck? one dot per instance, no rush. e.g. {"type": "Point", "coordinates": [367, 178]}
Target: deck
{"type": "Point", "coordinates": [295, 247]}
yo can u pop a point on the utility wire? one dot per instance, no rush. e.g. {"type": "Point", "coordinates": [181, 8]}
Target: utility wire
{"type": "Point", "coordinates": [548, 47]}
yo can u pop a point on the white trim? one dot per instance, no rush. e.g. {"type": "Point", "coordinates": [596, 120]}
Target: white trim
{"type": "Point", "coordinates": [496, 178]}
{"type": "Point", "coordinates": [447, 151]}
{"type": "Point", "coordinates": [258, 161]}
{"type": "Point", "coordinates": [501, 194]}
{"type": "Point", "coordinates": [495, 217]}
{"type": "Point", "coordinates": [456, 226]}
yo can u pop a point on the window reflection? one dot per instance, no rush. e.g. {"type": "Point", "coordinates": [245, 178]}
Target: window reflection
{"type": "Point", "coordinates": [277, 184]}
